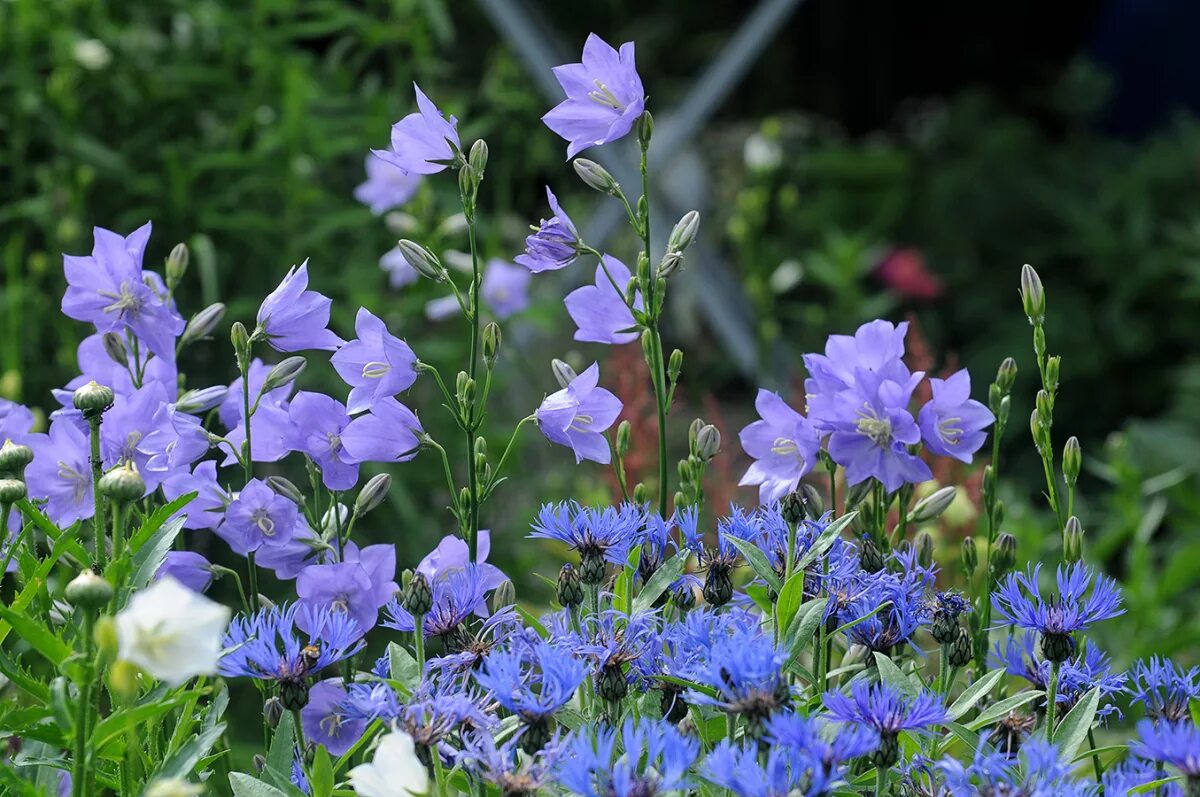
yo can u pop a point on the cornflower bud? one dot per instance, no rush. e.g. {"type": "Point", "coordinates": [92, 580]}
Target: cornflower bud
{"type": "Point", "coordinates": [611, 684]}
{"type": "Point", "coordinates": [14, 457]}
{"type": "Point", "coordinates": [11, 491]}
{"type": "Point", "coordinates": [177, 264]}
{"type": "Point", "coordinates": [194, 402]}
{"type": "Point", "coordinates": [563, 373]}
{"type": "Point", "coordinates": [596, 176]}
{"type": "Point", "coordinates": [1006, 377]}
{"type": "Point", "coordinates": [202, 324]}
{"type": "Point", "coordinates": [718, 586]}
{"type": "Point", "coordinates": [869, 556]}
{"type": "Point", "coordinates": [961, 650]}
{"type": "Point", "coordinates": [569, 587]}
{"type": "Point", "coordinates": [285, 488]}
{"type": "Point", "coordinates": [88, 590]}
{"type": "Point", "coordinates": [624, 429]}
{"type": "Point", "coordinates": [813, 505]}
{"type": "Point", "coordinates": [372, 493]}
{"type": "Point", "coordinates": [1072, 540]}
{"type": "Point", "coordinates": [1033, 295]}
{"type": "Point", "coordinates": [423, 261]}
{"type": "Point", "coordinates": [1072, 461]}
{"type": "Point", "coordinates": [684, 232]}
{"type": "Point", "coordinates": [479, 157]}
{"type": "Point", "coordinates": [925, 549]}
{"type": "Point", "coordinates": [491, 343]}
{"type": "Point", "coordinates": [933, 505]}
{"type": "Point", "coordinates": [114, 347]}
{"type": "Point", "coordinates": [791, 508]}
{"type": "Point", "coordinates": [92, 399]}
{"type": "Point", "coordinates": [708, 442]}
{"type": "Point", "coordinates": [418, 598]}
{"type": "Point", "coordinates": [1004, 556]}
{"type": "Point", "coordinates": [123, 484]}
{"type": "Point", "coordinates": [970, 555]}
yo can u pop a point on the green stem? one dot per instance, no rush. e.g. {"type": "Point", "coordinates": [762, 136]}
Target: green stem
{"type": "Point", "coordinates": [472, 416]}
{"type": "Point", "coordinates": [300, 742]}
{"type": "Point", "coordinates": [252, 571]}
{"type": "Point", "coordinates": [832, 467]}
{"type": "Point", "coordinates": [118, 530]}
{"type": "Point", "coordinates": [247, 458]}
{"type": "Point", "coordinates": [1052, 699]}
{"type": "Point", "coordinates": [80, 773]}
{"type": "Point", "coordinates": [429, 441]}
{"type": "Point", "coordinates": [98, 532]}
{"type": "Point", "coordinates": [26, 528]}
{"type": "Point", "coordinates": [499, 469]}
{"type": "Point", "coordinates": [1096, 766]}
{"type": "Point", "coordinates": [419, 642]}
{"type": "Point", "coordinates": [880, 781]}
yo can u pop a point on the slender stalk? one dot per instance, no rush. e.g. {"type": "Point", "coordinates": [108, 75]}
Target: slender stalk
{"type": "Point", "coordinates": [880, 781]}
{"type": "Point", "coordinates": [1052, 699]}
{"type": "Point", "coordinates": [300, 742]}
{"type": "Point", "coordinates": [98, 531]}
{"type": "Point", "coordinates": [429, 441]}
{"type": "Point", "coordinates": [80, 771]}
{"type": "Point", "coordinates": [26, 528]}
{"type": "Point", "coordinates": [419, 641]}
{"type": "Point", "coordinates": [831, 466]}
{"type": "Point", "coordinates": [248, 465]}
{"type": "Point", "coordinates": [473, 417]}
{"type": "Point", "coordinates": [491, 485]}
{"type": "Point", "coordinates": [252, 571]}
{"type": "Point", "coordinates": [1096, 766]}
{"type": "Point", "coordinates": [118, 531]}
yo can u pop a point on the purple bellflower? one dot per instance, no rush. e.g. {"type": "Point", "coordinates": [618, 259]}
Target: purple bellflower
{"type": "Point", "coordinates": [952, 422]}
{"type": "Point", "coordinates": [358, 587]}
{"type": "Point", "coordinates": [387, 186]}
{"type": "Point", "coordinates": [293, 318]}
{"type": "Point", "coordinates": [599, 311]}
{"type": "Point", "coordinates": [376, 365]}
{"type": "Point", "coordinates": [422, 139]}
{"type": "Point", "coordinates": [390, 432]}
{"type": "Point", "coordinates": [784, 447]}
{"type": "Point", "coordinates": [318, 422]}
{"type": "Point", "coordinates": [505, 287]}
{"type": "Point", "coordinates": [578, 415]}
{"type": "Point", "coordinates": [605, 96]}
{"type": "Point", "coordinates": [258, 517]}
{"type": "Point", "coordinates": [554, 244]}
{"type": "Point", "coordinates": [188, 568]}
{"type": "Point", "coordinates": [207, 509]}
{"type": "Point", "coordinates": [61, 471]}
{"type": "Point", "coordinates": [323, 721]}
{"type": "Point", "coordinates": [109, 289]}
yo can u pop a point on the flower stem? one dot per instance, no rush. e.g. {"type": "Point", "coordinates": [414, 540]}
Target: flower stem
{"type": "Point", "coordinates": [98, 531]}
{"type": "Point", "coordinates": [80, 774]}
{"type": "Point", "coordinates": [880, 781]}
{"type": "Point", "coordinates": [472, 416]}
{"type": "Point", "coordinates": [1052, 699]}
{"type": "Point", "coordinates": [419, 642]}
{"type": "Point", "coordinates": [1096, 766]}
{"type": "Point", "coordinates": [252, 570]}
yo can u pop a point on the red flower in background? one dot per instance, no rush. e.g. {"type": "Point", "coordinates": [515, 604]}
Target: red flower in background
{"type": "Point", "coordinates": [905, 272]}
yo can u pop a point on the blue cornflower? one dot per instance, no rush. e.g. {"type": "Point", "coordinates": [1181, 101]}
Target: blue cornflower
{"type": "Point", "coordinates": [458, 595]}
{"type": "Point", "coordinates": [613, 641]}
{"type": "Point", "coordinates": [745, 670]}
{"type": "Point", "coordinates": [904, 610]}
{"type": "Point", "coordinates": [944, 611]}
{"type": "Point", "coordinates": [267, 646]}
{"type": "Point", "coordinates": [1164, 688]}
{"type": "Point", "coordinates": [495, 631]}
{"type": "Point", "coordinates": [598, 534]}
{"type": "Point", "coordinates": [786, 771]}
{"type": "Point", "coordinates": [1019, 602]}
{"type": "Point", "coordinates": [500, 765]}
{"type": "Point", "coordinates": [369, 701]}
{"type": "Point", "coordinates": [659, 540]}
{"type": "Point", "coordinates": [1077, 676]}
{"type": "Point", "coordinates": [435, 713]}
{"type": "Point", "coordinates": [532, 682]}
{"type": "Point", "coordinates": [812, 737]}
{"type": "Point", "coordinates": [1174, 743]}
{"type": "Point", "coordinates": [1126, 777]}
{"type": "Point", "coordinates": [881, 707]}
{"type": "Point", "coordinates": [654, 759]}
{"type": "Point", "coordinates": [1040, 772]}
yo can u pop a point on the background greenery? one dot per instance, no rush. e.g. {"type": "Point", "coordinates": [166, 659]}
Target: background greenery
{"type": "Point", "coordinates": [241, 127]}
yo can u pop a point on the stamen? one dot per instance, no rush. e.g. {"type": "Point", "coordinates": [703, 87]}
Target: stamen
{"type": "Point", "coordinates": [604, 96]}
{"type": "Point", "coordinates": [375, 370]}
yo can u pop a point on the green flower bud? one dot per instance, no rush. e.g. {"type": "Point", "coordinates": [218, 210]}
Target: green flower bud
{"type": "Point", "coordinates": [240, 339]}
{"type": "Point", "coordinates": [293, 693]}
{"type": "Point", "coordinates": [813, 505]}
{"type": "Point", "coordinates": [194, 402]}
{"type": "Point", "coordinates": [647, 341]}
{"type": "Point", "coordinates": [1072, 461]}
{"type": "Point", "coordinates": [869, 556]}
{"type": "Point", "coordinates": [105, 636]}
{"type": "Point", "coordinates": [423, 261]}
{"type": "Point", "coordinates": [536, 736]}
{"type": "Point", "coordinates": [284, 373]}
{"type": "Point", "coordinates": [887, 753]}
{"type": "Point", "coordinates": [491, 343]}
{"type": "Point", "coordinates": [177, 264]}
{"type": "Point", "coordinates": [11, 491]}
{"type": "Point", "coordinates": [611, 684]}
{"type": "Point", "coordinates": [273, 711]}
{"type": "Point", "coordinates": [92, 399]}
{"type": "Point", "coordinates": [933, 505]}
{"type": "Point", "coordinates": [718, 586]}
{"type": "Point", "coordinates": [123, 484]}
{"type": "Point", "coordinates": [1053, 366]}
{"type": "Point", "coordinates": [88, 590]}
{"type": "Point", "coordinates": [1073, 540]}
{"type": "Point", "coordinates": [570, 587]}
{"type": "Point", "coordinates": [564, 374]}
{"type": "Point", "coordinates": [285, 488]}
{"type": "Point", "coordinates": [114, 347]}
{"type": "Point", "coordinates": [641, 493]}
{"type": "Point", "coordinates": [961, 650]}
{"type": "Point", "coordinates": [14, 457]}
{"type": "Point", "coordinates": [1045, 408]}
{"type": "Point", "coordinates": [670, 264]}
{"type": "Point", "coordinates": [632, 287]}
{"type": "Point", "coordinates": [792, 508]}
{"type": "Point", "coordinates": [684, 232]}
{"type": "Point", "coordinates": [624, 429]}
{"type": "Point", "coordinates": [478, 157]}
{"type": "Point", "coordinates": [970, 555]}
{"type": "Point", "coordinates": [924, 545]}
{"type": "Point", "coordinates": [1004, 556]}
{"type": "Point", "coordinates": [645, 128]}
{"type": "Point", "coordinates": [857, 494]}
{"type": "Point", "coordinates": [680, 500]}
{"type": "Point", "coordinates": [504, 596]}
{"type": "Point", "coordinates": [372, 493]}
{"type": "Point", "coordinates": [708, 442]}
{"type": "Point", "coordinates": [468, 179]}
{"type": "Point", "coordinates": [418, 597]}
{"type": "Point", "coordinates": [592, 567]}
{"type": "Point", "coordinates": [675, 366]}
{"type": "Point", "coordinates": [1057, 648]}
{"type": "Point", "coordinates": [596, 176]}
{"type": "Point", "coordinates": [1006, 377]}
{"type": "Point", "coordinates": [1033, 295]}
{"type": "Point", "coordinates": [203, 323]}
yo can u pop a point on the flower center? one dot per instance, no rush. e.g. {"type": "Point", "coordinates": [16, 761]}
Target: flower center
{"type": "Point", "coordinates": [375, 370]}
{"type": "Point", "coordinates": [79, 485]}
{"type": "Point", "coordinates": [263, 521]}
{"type": "Point", "coordinates": [581, 422]}
{"type": "Point", "coordinates": [948, 430]}
{"type": "Point", "coordinates": [131, 442]}
{"type": "Point", "coordinates": [786, 447]}
{"type": "Point", "coordinates": [879, 430]}
{"type": "Point", "coordinates": [335, 442]}
{"type": "Point", "coordinates": [604, 96]}
{"type": "Point", "coordinates": [341, 602]}
{"type": "Point", "coordinates": [124, 302]}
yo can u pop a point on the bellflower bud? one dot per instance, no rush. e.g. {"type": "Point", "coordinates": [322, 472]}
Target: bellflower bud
{"type": "Point", "coordinates": [491, 343]}
{"type": "Point", "coordinates": [468, 179]}
{"type": "Point", "coordinates": [925, 549]}
{"type": "Point", "coordinates": [1033, 295]}
{"type": "Point", "coordinates": [970, 555]}
{"type": "Point", "coordinates": [114, 347]}
{"type": "Point", "coordinates": [88, 590]}
{"type": "Point", "coordinates": [641, 493]}
{"type": "Point", "coordinates": [504, 596]}
{"type": "Point", "coordinates": [1045, 408]}
{"type": "Point", "coordinates": [684, 233]}
{"type": "Point", "coordinates": [283, 487]}
{"type": "Point", "coordinates": [177, 264]}
{"type": "Point", "coordinates": [708, 442]}
{"type": "Point", "coordinates": [675, 366]}
{"type": "Point", "coordinates": [670, 263]}
{"type": "Point", "coordinates": [11, 491]}
{"type": "Point", "coordinates": [1072, 540]}
{"type": "Point", "coordinates": [645, 128]}
{"type": "Point", "coordinates": [1004, 556]}
{"type": "Point", "coordinates": [92, 399]}
{"type": "Point", "coordinates": [1072, 461]}
{"type": "Point", "coordinates": [284, 373]}
{"type": "Point", "coordinates": [423, 261]}
{"type": "Point", "coordinates": [857, 494]}
{"type": "Point", "coordinates": [624, 429]}
{"type": "Point", "coordinates": [933, 505]}
{"type": "Point", "coordinates": [203, 323]}
{"type": "Point", "coordinates": [194, 402]}
{"type": "Point", "coordinates": [1006, 377]}
{"type": "Point", "coordinates": [595, 176]}
{"type": "Point", "coordinates": [123, 679]}
{"type": "Point", "coordinates": [14, 458]}
{"type": "Point", "coordinates": [478, 157]}
{"type": "Point", "coordinates": [814, 507]}
{"type": "Point", "coordinates": [1053, 366]}
{"type": "Point", "coordinates": [372, 494]}
{"type": "Point", "coordinates": [563, 374]}
{"type": "Point", "coordinates": [123, 484]}
{"type": "Point", "coordinates": [570, 587]}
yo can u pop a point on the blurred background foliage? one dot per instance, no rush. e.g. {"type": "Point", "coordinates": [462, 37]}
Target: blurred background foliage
{"type": "Point", "coordinates": [878, 177]}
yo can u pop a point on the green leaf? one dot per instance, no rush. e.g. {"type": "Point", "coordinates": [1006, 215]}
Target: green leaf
{"type": "Point", "coordinates": [760, 594]}
{"type": "Point", "coordinates": [23, 679]}
{"type": "Point", "coordinates": [532, 622]}
{"type": "Point", "coordinates": [790, 598]}
{"type": "Point", "coordinates": [246, 786]}
{"type": "Point", "coordinates": [113, 727]}
{"type": "Point", "coordinates": [1071, 732]}
{"type": "Point", "coordinates": [320, 780]}
{"type": "Point", "coordinates": [153, 523]}
{"type": "Point", "coordinates": [976, 692]}
{"type": "Point", "coordinates": [283, 744]}
{"type": "Point", "coordinates": [662, 579]}
{"type": "Point", "coordinates": [403, 668]}
{"type": "Point", "coordinates": [1154, 785]}
{"type": "Point", "coordinates": [39, 636]}
{"type": "Point", "coordinates": [36, 582]}
{"type": "Point", "coordinates": [890, 674]}
{"type": "Point", "coordinates": [966, 734]}
{"type": "Point", "coordinates": [150, 556]}
{"type": "Point", "coordinates": [844, 627]}
{"type": "Point", "coordinates": [757, 560]}
{"type": "Point", "coordinates": [805, 624]}
{"type": "Point", "coordinates": [824, 542]}
{"type": "Point", "coordinates": [998, 709]}
{"type": "Point", "coordinates": [185, 759]}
